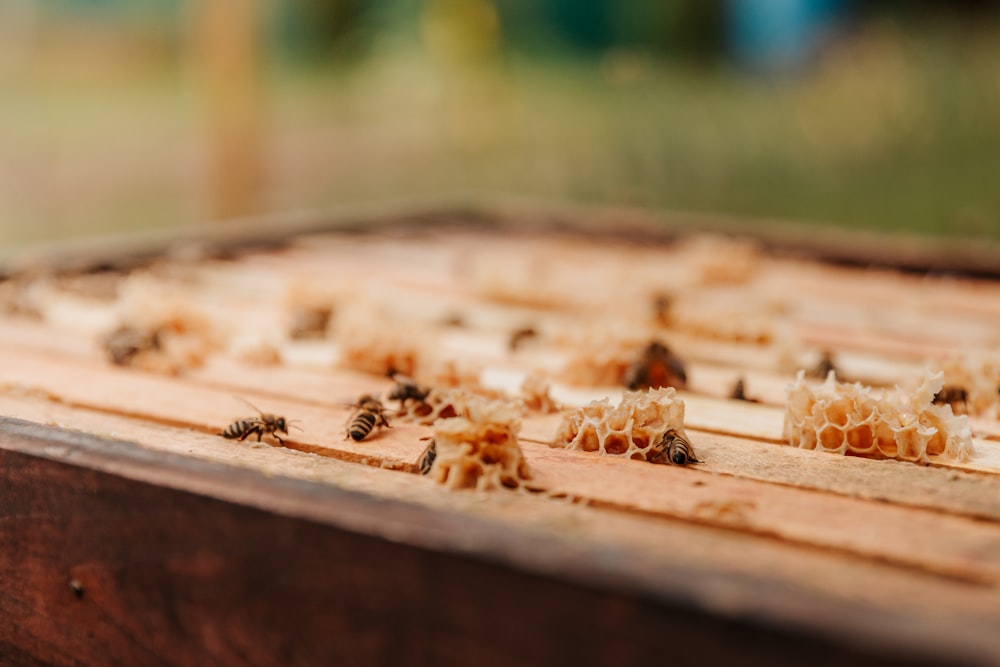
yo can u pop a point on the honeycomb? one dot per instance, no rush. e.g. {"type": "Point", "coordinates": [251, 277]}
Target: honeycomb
{"type": "Point", "coordinates": [445, 403]}
{"type": "Point", "coordinates": [368, 343]}
{"type": "Point", "coordinates": [449, 374]}
{"type": "Point", "coordinates": [480, 450]}
{"type": "Point", "coordinates": [626, 430]}
{"type": "Point", "coordinates": [535, 395]}
{"type": "Point", "coordinates": [255, 350]}
{"type": "Point", "coordinates": [602, 358]}
{"type": "Point", "coordinates": [159, 331]}
{"type": "Point", "coordinates": [851, 419]}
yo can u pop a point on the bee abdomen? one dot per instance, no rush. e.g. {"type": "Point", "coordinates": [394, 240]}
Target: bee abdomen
{"type": "Point", "coordinates": [362, 426]}
{"type": "Point", "coordinates": [427, 460]}
{"type": "Point", "coordinates": [680, 453]}
{"type": "Point", "coordinates": [238, 429]}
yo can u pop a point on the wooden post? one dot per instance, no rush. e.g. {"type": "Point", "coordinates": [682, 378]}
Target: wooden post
{"type": "Point", "coordinates": [226, 45]}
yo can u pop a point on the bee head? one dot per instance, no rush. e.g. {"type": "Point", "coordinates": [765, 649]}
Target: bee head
{"type": "Point", "coordinates": [282, 425]}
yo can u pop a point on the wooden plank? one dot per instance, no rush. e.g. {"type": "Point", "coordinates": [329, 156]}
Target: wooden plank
{"type": "Point", "coordinates": [161, 581]}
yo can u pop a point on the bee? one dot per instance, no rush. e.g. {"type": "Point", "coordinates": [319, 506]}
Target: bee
{"type": "Point", "coordinates": [955, 396]}
{"type": "Point", "coordinates": [426, 460]}
{"type": "Point", "coordinates": [369, 414]}
{"type": "Point", "coordinates": [124, 343]}
{"type": "Point", "coordinates": [823, 368]}
{"type": "Point", "coordinates": [657, 367]}
{"type": "Point", "coordinates": [519, 336]}
{"type": "Point", "coordinates": [739, 393]}
{"type": "Point", "coordinates": [454, 320]}
{"type": "Point", "coordinates": [662, 306]}
{"type": "Point", "coordinates": [311, 322]}
{"type": "Point", "coordinates": [675, 448]}
{"type": "Point", "coordinates": [407, 389]}
{"type": "Point", "coordinates": [263, 424]}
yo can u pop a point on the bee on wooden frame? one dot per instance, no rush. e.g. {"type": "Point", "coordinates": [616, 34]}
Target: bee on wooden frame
{"type": "Point", "coordinates": [823, 367]}
{"type": "Point", "coordinates": [263, 424]}
{"type": "Point", "coordinates": [673, 448]}
{"type": "Point", "coordinates": [520, 336]}
{"type": "Point", "coordinates": [124, 343]}
{"type": "Point", "coordinates": [739, 392]}
{"type": "Point", "coordinates": [426, 460]}
{"type": "Point", "coordinates": [662, 304]}
{"type": "Point", "coordinates": [955, 396]}
{"type": "Point", "coordinates": [657, 367]}
{"type": "Point", "coordinates": [369, 413]}
{"type": "Point", "coordinates": [407, 389]}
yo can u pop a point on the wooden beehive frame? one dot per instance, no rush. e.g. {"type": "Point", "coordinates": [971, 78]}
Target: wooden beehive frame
{"type": "Point", "coordinates": [871, 559]}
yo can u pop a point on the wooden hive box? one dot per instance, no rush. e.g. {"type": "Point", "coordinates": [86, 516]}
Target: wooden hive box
{"type": "Point", "coordinates": [131, 533]}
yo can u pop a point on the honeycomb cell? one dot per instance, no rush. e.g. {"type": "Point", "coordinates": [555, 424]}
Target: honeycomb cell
{"type": "Point", "coordinates": [831, 437]}
{"type": "Point", "coordinates": [860, 438]}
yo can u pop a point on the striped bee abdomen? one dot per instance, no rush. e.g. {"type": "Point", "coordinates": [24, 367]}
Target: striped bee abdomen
{"type": "Point", "coordinates": [362, 425]}
{"type": "Point", "coordinates": [241, 429]}
{"type": "Point", "coordinates": [675, 449]}
{"type": "Point", "coordinates": [426, 461]}
{"type": "Point", "coordinates": [680, 452]}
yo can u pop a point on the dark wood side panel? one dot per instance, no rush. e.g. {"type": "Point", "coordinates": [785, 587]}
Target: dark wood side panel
{"type": "Point", "coordinates": [101, 569]}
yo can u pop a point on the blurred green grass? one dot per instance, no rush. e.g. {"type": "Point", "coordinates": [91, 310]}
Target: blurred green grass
{"type": "Point", "coordinates": [892, 130]}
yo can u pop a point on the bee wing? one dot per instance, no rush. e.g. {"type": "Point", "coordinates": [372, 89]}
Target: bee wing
{"type": "Point", "coordinates": [537, 442]}
{"type": "Point", "coordinates": [249, 404]}
{"type": "Point", "coordinates": [389, 412]}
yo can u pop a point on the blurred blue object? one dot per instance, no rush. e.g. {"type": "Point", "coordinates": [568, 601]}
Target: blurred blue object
{"type": "Point", "coordinates": [780, 35]}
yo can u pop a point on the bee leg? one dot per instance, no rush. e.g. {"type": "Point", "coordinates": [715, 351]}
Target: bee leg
{"type": "Point", "coordinates": [278, 438]}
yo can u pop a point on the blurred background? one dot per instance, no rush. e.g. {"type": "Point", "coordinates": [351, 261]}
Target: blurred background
{"type": "Point", "coordinates": [118, 115]}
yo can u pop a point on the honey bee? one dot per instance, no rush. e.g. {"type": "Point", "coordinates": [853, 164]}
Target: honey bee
{"type": "Point", "coordinates": [657, 367]}
{"type": "Point", "coordinates": [426, 460]}
{"type": "Point", "coordinates": [673, 447]}
{"type": "Point", "coordinates": [823, 368]}
{"type": "Point", "coordinates": [955, 396]}
{"type": "Point", "coordinates": [739, 393]}
{"type": "Point", "coordinates": [124, 343]}
{"type": "Point", "coordinates": [662, 306]}
{"type": "Point", "coordinates": [369, 413]}
{"type": "Point", "coordinates": [519, 336]}
{"type": "Point", "coordinates": [263, 424]}
{"type": "Point", "coordinates": [407, 389]}
{"type": "Point", "coordinates": [311, 322]}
